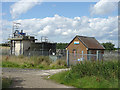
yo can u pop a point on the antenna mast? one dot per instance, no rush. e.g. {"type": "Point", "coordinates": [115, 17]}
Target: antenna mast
{"type": "Point", "coordinates": [16, 26]}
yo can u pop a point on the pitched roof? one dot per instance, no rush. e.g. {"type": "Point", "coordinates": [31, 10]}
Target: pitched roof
{"type": "Point", "coordinates": [89, 42]}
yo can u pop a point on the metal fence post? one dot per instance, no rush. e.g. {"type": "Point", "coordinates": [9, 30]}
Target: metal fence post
{"type": "Point", "coordinates": [68, 58]}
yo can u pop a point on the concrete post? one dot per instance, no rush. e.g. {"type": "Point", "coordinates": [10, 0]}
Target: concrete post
{"type": "Point", "coordinates": [68, 58]}
{"type": "Point", "coordinates": [11, 45]}
{"type": "Point", "coordinates": [97, 55]}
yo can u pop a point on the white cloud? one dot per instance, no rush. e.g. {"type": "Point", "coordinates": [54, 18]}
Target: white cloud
{"type": "Point", "coordinates": [103, 7]}
{"type": "Point", "coordinates": [46, 30]}
{"type": "Point", "coordinates": [22, 6]}
{"type": "Point", "coordinates": [63, 29]}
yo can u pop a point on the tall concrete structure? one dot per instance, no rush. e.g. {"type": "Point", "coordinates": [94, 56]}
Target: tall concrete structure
{"type": "Point", "coordinates": [22, 44]}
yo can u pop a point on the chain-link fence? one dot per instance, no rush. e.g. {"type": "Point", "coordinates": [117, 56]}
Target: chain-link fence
{"type": "Point", "coordinates": [36, 53]}
{"type": "Point", "coordinates": [76, 58]}
{"type": "Point", "coordinates": [4, 51]}
{"type": "Point", "coordinates": [110, 55]}
{"type": "Point", "coordinates": [53, 56]}
{"type": "Point", "coordinates": [61, 55]}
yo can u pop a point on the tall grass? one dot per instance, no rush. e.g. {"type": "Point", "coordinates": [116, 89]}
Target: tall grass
{"type": "Point", "coordinates": [41, 62]}
{"type": "Point", "coordinates": [89, 74]}
{"type": "Point", "coordinates": [106, 69]}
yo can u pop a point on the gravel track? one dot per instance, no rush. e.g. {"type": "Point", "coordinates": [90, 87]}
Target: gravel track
{"type": "Point", "coordinates": [32, 78]}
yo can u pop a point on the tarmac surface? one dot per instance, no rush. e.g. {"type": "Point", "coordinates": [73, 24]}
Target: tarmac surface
{"type": "Point", "coordinates": [32, 78]}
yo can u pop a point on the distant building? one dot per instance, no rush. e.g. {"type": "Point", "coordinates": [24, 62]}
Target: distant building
{"type": "Point", "coordinates": [86, 46]}
{"type": "Point", "coordinates": [21, 44]}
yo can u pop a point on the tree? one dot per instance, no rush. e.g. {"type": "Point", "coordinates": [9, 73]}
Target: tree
{"type": "Point", "coordinates": [108, 46]}
{"type": "Point", "coordinates": [61, 45]}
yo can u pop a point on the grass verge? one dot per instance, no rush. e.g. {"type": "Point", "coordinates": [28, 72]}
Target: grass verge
{"type": "Point", "coordinates": [90, 75]}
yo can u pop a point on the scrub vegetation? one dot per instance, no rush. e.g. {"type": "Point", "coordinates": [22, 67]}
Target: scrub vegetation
{"type": "Point", "coordinates": [35, 62]}
{"type": "Point", "coordinates": [90, 74]}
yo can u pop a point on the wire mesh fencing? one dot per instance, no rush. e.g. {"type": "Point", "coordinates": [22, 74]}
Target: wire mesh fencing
{"type": "Point", "coordinates": [111, 55]}
{"type": "Point", "coordinates": [4, 51]}
{"type": "Point", "coordinates": [77, 58]}
{"type": "Point", "coordinates": [61, 55]}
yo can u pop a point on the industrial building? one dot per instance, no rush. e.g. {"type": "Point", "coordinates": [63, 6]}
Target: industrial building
{"type": "Point", "coordinates": [22, 44]}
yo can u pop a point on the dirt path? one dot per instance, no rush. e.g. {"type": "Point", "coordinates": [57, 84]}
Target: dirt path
{"type": "Point", "coordinates": [32, 78]}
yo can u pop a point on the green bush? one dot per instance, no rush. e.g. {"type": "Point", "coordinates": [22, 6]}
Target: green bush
{"type": "Point", "coordinates": [106, 69]}
{"type": "Point", "coordinates": [89, 74]}
{"type": "Point", "coordinates": [10, 64]}
{"type": "Point", "coordinates": [40, 66]}
{"type": "Point", "coordinates": [27, 65]}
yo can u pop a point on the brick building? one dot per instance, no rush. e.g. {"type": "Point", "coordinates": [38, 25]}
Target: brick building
{"type": "Point", "coordinates": [82, 45]}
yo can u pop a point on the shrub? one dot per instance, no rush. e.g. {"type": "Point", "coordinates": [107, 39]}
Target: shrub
{"type": "Point", "coordinates": [106, 69]}
{"type": "Point", "coordinates": [27, 65]}
{"type": "Point", "coordinates": [90, 74]}
{"type": "Point", "coordinates": [40, 66]}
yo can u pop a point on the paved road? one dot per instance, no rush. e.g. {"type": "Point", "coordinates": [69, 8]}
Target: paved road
{"type": "Point", "coordinates": [32, 78]}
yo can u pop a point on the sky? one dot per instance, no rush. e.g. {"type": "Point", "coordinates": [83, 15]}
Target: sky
{"type": "Point", "coordinates": [62, 21]}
